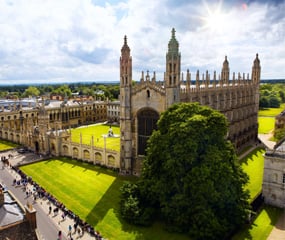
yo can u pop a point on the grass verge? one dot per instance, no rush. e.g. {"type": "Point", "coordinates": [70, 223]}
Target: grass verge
{"type": "Point", "coordinates": [253, 164]}
{"type": "Point", "coordinates": [271, 112]}
{"type": "Point", "coordinates": [5, 145]}
{"type": "Point", "coordinates": [265, 124]}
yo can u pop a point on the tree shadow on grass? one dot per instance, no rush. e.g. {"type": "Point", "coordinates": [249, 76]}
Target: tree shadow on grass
{"type": "Point", "coordinates": [250, 156]}
{"type": "Point", "coordinates": [272, 213]}
{"type": "Point", "coordinates": [110, 204]}
{"type": "Point", "coordinates": [110, 201]}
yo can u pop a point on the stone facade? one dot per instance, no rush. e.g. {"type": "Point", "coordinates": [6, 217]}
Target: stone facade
{"type": "Point", "coordinates": [280, 121]}
{"type": "Point", "coordinates": [29, 126]}
{"type": "Point", "coordinates": [43, 129]}
{"type": "Point", "coordinates": [142, 103]}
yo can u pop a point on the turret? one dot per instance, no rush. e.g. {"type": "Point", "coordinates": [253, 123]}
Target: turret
{"type": "Point", "coordinates": [125, 65]}
{"type": "Point", "coordinates": [125, 107]}
{"type": "Point", "coordinates": [225, 72]}
{"type": "Point", "coordinates": [256, 69]}
{"type": "Point", "coordinates": [172, 75]}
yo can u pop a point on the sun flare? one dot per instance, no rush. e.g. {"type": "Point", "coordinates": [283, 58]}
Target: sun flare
{"type": "Point", "coordinates": [214, 19]}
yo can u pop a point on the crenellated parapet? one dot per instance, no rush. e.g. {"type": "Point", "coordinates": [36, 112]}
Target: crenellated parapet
{"type": "Point", "coordinates": [204, 81]}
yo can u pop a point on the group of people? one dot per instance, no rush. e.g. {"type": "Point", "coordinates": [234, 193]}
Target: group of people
{"type": "Point", "coordinates": [79, 226]}
{"type": "Point", "coordinates": [5, 161]}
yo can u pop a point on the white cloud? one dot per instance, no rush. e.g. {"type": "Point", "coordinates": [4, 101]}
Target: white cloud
{"type": "Point", "coordinates": [73, 40]}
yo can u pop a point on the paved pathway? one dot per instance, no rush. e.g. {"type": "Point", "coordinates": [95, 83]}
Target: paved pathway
{"type": "Point", "coordinates": [48, 224]}
{"type": "Point", "coordinates": [278, 232]}
{"type": "Point", "coordinates": [265, 139]}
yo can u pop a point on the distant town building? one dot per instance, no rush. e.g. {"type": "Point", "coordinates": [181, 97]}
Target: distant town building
{"type": "Point", "coordinates": [113, 111]}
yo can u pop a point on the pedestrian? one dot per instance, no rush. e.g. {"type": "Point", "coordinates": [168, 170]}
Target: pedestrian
{"type": "Point", "coordinates": [49, 210]}
{"type": "Point", "coordinates": [59, 235]}
{"type": "Point", "coordinates": [75, 227]}
{"type": "Point", "coordinates": [69, 230]}
{"type": "Point", "coordinates": [63, 216]}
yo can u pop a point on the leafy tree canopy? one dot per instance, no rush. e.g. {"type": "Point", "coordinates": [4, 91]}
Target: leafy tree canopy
{"type": "Point", "coordinates": [63, 90]}
{"type": "Point", "coordinates": [271, 95]}
{"type": "Point", "coordinates": [31, 91]}
{"type": "Point", "coordinates": [191, 175]}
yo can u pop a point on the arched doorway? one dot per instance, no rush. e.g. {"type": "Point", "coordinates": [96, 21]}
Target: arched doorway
{"type": "Point", "coordinates": [37, 146]}
{"type": "Point", "coordinates": [147, 120]}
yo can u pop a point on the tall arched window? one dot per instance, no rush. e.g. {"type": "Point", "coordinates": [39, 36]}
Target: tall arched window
{"type": "Point", "coordinates": [147, 120]}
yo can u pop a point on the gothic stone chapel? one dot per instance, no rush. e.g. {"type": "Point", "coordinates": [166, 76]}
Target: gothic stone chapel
{"type": "Point", "coordinates": [141, 103]}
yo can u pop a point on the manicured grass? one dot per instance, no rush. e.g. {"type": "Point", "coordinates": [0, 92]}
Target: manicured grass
{"type": "Point", "coordinates": [5, 145]}
{"type": "Point", "coordinates": [266, 118]}
{"type": "Point", "coordinates": [99, 133]}
{"type": "Point", "coordinates": [93, 194]}
{"type": "Point", "coordinates": [265, 124]}
{"type": "Point", "coordinates": [262, 226]}
{"type": "Point", "coordinates": [252, 164]}
{"type": "Point", "coordinates": [271, 112]}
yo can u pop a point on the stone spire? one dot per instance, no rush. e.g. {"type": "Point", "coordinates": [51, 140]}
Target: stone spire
{"type": "Point", "coordinates": [225, 75]}
{"type": "Point", "coordinates": [256, 70]}
{"type": "Point", "coordinates": [125, 49]}
{"type": "Point", "coordinates": [173, 45]}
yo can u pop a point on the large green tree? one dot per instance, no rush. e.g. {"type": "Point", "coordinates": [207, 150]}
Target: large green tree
{"type": "Point", "coordinates": [191, 174]}
{"type": "Point", "coordinates": [31, 91]}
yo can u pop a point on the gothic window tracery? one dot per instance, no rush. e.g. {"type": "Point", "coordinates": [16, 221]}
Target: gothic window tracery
{"type": "Point", "coordinates": [147, 120]}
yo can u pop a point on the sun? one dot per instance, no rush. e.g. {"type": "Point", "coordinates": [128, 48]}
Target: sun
{"type": "Point", "coordinates": [214, 19]}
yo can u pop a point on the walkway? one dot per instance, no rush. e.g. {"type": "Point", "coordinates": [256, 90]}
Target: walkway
{"type": "Point", "coordinates": [278, 232]}
{"type": "Point", "coordinates": [48, 224]}
{"type": "Point", "coordinates": [265, 138]}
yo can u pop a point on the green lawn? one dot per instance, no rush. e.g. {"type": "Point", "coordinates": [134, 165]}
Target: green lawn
{"type": "Point", "coordinates": [5, 145]}
{"type": "Point", "coordinates": [262, 226]}
{"type": "Point", "coordinates": [266, 118]}
{"type": "Point", "coordinates": [266, 219]}
{"type": "Point", "coordinates": [99, 133]}
{"type": "Point", "coordinates": [265, 124]}
{"type": "Point", "coordinates": [92, 193]}
{"type": "Point", "coordinates": [271, 112]}
{"type": "Point", "coordinates": [253, 166]}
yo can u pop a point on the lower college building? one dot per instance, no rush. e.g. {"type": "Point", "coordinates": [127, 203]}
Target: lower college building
{"type": "Point", "coordinates": [273, 187]}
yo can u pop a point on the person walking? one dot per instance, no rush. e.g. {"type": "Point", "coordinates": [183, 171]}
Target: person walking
{"type": "Point", "coordinates": [59, 235]}
{"type": "Point", "coordinates": [69, 230]}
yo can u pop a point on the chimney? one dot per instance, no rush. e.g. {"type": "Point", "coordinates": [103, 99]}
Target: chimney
{"type": "Point", "coordinates": [31, 215]}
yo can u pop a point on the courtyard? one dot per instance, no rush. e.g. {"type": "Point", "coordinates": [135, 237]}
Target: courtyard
{"type": "Point", "coordinates": [98, 133]}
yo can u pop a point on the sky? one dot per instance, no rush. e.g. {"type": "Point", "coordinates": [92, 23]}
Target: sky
{"type": "Point", "coordinates": [54, 41]}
